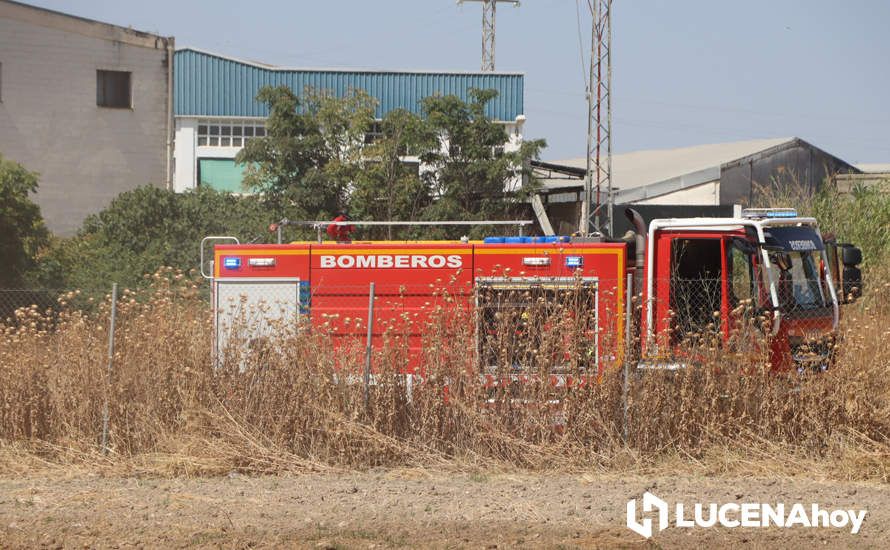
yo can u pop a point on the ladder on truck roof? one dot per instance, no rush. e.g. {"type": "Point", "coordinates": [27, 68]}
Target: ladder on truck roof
{"type": "Point", "coordinates": [320, 226]}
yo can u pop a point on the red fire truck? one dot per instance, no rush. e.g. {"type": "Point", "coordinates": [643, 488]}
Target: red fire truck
{"type": "Point", "coordinates": [671, 277]}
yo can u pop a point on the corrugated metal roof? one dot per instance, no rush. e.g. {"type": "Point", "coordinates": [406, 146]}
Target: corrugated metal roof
{"type": "Point", "coordinates": [207, 84]}
{"type": "Point", "coordinates": [639, 168]}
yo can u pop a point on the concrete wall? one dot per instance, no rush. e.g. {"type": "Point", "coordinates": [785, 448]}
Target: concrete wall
{"type": "Point", "coordinates": [846, 183]}
{"type": "Point", "coordinates": [49, 120]}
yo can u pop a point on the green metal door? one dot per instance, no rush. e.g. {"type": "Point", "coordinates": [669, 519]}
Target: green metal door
{"type": "Point", "coordinates": [221, 174]}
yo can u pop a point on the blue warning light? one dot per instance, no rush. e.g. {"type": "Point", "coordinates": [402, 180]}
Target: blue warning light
{"type": "Point", "coordinates": [574, 261]}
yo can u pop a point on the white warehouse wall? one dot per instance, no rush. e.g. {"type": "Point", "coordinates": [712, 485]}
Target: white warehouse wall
{"type": "Point", "coordinates": [704, 194]}
{"type": "Point", "coordinates": [187, 151]}
{"type": "Point", "coordinates": [184, 160]}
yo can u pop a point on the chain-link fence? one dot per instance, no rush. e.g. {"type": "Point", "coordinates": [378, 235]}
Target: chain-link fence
{"type": "Point", "coordinates": [521, 340]}
{"type": "Point", "coordinates": [40, 300]}
{"type": "Point", "coordinates": [514, 325]}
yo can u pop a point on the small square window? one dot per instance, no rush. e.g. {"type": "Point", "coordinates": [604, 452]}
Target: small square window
{"type": "Point", "coordinates": [202, 140]}
{"type": "Point", "coordinates": [236, 131]}
{"type": "Point", "coordinates": [202, 129]}
{"type": "Point", "coordinates": [260, 131]}
{"type": "Point", "coordinates": [214, 141]}
{"type": "Point", "coordinates": [225, 141]}
{"type": "Point", "coordinates": [236, 142]}
{"type": "Point", "coordinates": [226, 130]}
{"type": "Point", "coordinates": [113, 89]}
{"type": "Point", "coordinates": [214, 130]}
{"type": "Point", "coordinates": [248, 130]}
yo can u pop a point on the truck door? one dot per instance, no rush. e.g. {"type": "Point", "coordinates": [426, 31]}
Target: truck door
{"type": "Point", "coordinates": [696, 290]}
{"type": "Point", "coordinates": [712, 284]}
{"type": "Point", "coordinates": [747, 293]}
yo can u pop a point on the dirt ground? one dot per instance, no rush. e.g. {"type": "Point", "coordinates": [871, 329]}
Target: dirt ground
{"type": "Point", "coordinates": [406, 509]}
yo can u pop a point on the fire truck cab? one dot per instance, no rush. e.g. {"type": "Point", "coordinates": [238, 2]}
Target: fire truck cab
{"type": "Point", "coordinates": [685, 275]}
{"type": "Point", "coordinates": [703, 274]}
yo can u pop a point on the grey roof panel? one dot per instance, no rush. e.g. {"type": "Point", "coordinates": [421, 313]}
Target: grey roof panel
{"type": "Point", "coordinates": [639, 168]}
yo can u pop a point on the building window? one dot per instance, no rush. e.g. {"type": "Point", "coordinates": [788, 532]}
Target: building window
{"type": "Point", "coordinates": [229, 133]}
{"type": "Point", "coordinates": [374, 133]}
{"type": "Point", "coordinates": [113, 89]}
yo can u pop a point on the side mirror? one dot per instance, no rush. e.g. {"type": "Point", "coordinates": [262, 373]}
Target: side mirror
{"type": "Point", "coordinates": [850, 255]}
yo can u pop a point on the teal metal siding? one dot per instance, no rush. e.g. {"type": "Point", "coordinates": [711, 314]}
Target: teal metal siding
{"type": "Point", "coordinates": [209, 85]}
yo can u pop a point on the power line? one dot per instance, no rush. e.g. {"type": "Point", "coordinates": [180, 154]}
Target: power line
{"type": "Point", "coordinates": [581, 45]}
{"type": "Point", "coordinates": [720, 108]}
{"type": "Point", "coordinates": [696, 130]}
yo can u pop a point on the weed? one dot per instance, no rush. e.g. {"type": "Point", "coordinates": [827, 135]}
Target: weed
{"type": "Point", "coordinates": [286, 406]}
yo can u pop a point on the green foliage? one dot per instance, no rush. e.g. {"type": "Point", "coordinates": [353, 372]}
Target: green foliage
{"type": "Point", "coordinates": [387, 188]}
{"type": "Point", "coordinates": [311, 150]}
{"type": "Point", "coordinates": [473, 177]}
{"type": "Point", "coordinates": [313, 161]}
{"type": "Point", "coordinates": [861, 217]}
{"type": "Point", "coordinates": [144, 229]}
{"type": "Point", "coordinates": [22, 231]}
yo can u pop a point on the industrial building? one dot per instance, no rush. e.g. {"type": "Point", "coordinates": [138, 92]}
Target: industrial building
{"type": "Point", "coordinates": [216, 109]}
{"type": "Point", "coordinates": [712, 175]}
{"type": "Point", "coordinates": [85, 104]}
{"type": "Point", "coordinates": [872, 175]}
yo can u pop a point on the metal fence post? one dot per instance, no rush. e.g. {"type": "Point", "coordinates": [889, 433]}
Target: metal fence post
{"type": "Point", "coordinates": [108, 373]}
{"type": "Point", "coordinates": [367, 377]}
{"type": "Point", "coordinates": [628, 342]}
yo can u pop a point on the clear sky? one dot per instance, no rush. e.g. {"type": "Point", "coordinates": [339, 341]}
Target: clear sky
{"type": "Point", "coordinates": [684, 72]}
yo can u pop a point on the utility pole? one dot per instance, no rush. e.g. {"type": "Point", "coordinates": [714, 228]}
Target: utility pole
{"type": "Point", "coordinates": [599, 123]}
{"type": "Point", "coordinates": [489, 9]}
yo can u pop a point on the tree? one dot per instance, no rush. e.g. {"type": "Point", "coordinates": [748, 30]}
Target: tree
{"type": "Point", "coordinates": [473, 177]}
{"type": "Point", "coordinates": [314, 160]}
{"type": "Point", "coordinates": [22, 231]}
{"type": "Point", "coordinates": [311, 151]}
{"type": "Point", "coordinates": [146, 228]}
{"type": "Point", "coordinates": [387, 188]}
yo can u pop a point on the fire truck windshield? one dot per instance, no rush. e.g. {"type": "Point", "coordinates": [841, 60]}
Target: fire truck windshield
{"type": "Point", "coordinates": [795, 255]}
{"type": "Point", "coordinates": [799, 286]}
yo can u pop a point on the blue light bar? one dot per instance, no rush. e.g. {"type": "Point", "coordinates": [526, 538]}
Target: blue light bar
{"type": "Point", "coordinates": [791, 214]}
{"type": "Point", "coordinates": [759, 213]}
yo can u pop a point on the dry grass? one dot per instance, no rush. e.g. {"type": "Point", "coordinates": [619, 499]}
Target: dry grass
{"type": "Point", "coordinates": [287, 408]}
